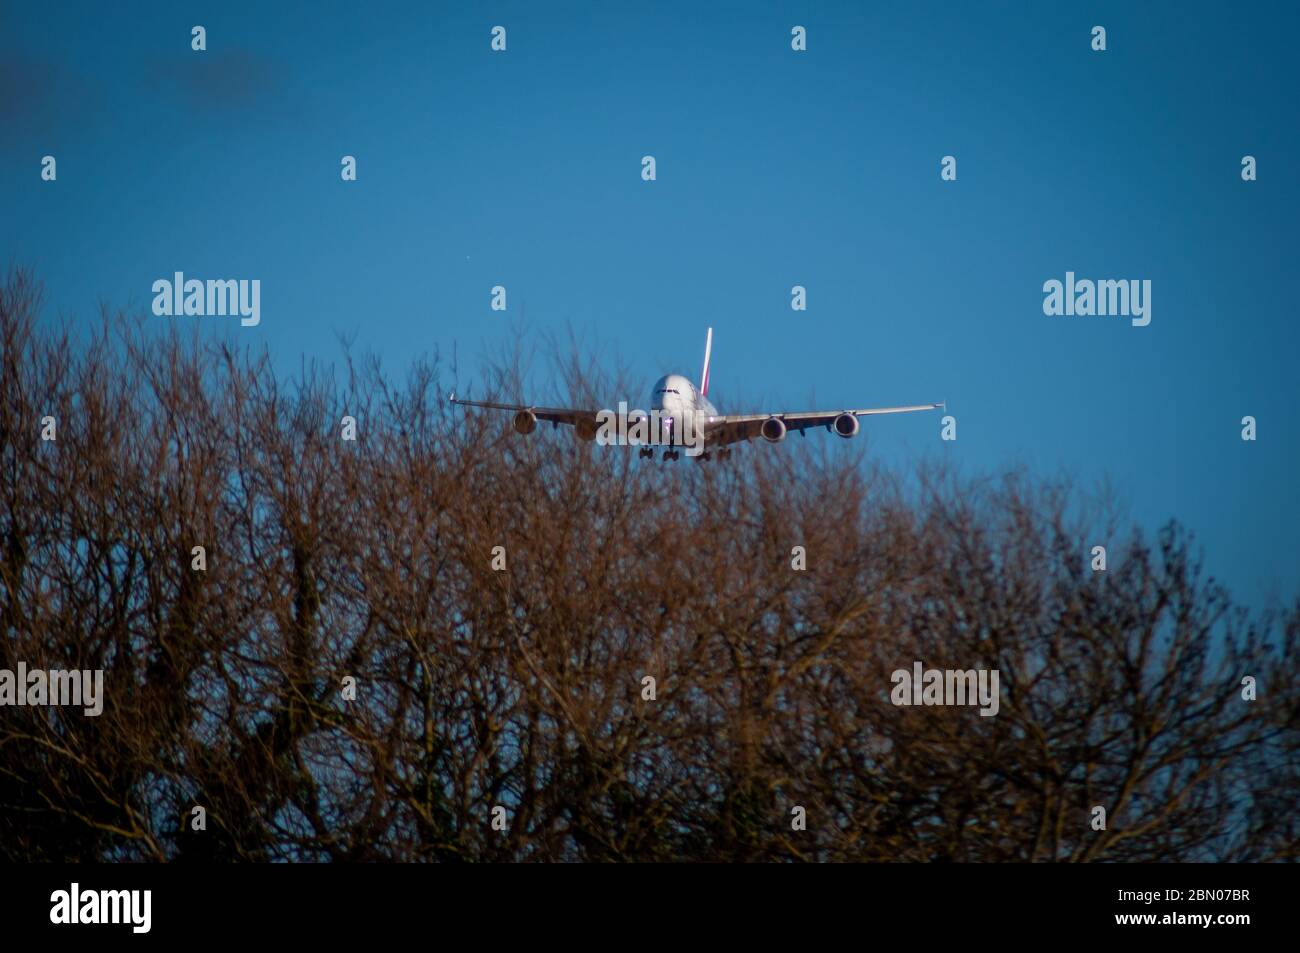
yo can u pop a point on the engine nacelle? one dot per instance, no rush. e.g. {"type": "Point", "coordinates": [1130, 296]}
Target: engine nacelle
{"type": "Point", "coordinates": [585, 429]}
{"type": "Point", "coordinates": [846, 425]}
{"type": "Point", "coordinates": [773, 430]}
{"type": "Point", "coordinates": [525, 421]}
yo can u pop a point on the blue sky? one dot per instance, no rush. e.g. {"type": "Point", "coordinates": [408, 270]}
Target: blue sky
{"type": "Point", "coordinates": [775, 168]}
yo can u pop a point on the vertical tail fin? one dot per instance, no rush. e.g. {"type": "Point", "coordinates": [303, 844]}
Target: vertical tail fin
{"type": "Point", "coordinates": [708, 353]}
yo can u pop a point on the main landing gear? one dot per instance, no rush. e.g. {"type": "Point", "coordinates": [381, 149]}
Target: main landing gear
{"type": "Point", "coordinates": [721, 454]}
{"type": "Point", "coordinates": [676, 454]}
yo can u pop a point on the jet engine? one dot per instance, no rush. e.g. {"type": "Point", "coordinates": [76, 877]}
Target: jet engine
{"type": "Point", "coordinates": [585, 429]}
{"type": "Point", "coordinates": [773, 430]}
{"type": "Point", "coordinates": [846, 425]}
{"type": "Point", "coordinates": [525, 421]}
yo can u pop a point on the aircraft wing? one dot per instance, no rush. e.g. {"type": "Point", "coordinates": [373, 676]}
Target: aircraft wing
{"type": "Point", "coordinates": [720, 431]}
{"type": "Point", "coordinates": [572, 416]}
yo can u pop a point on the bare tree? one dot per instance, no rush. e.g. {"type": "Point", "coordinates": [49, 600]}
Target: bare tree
{"type": "Point", "coordinates": [523, 688]}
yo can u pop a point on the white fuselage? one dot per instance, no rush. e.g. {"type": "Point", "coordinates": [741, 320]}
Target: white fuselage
{"type": "Point", "coordinates": [678, 400]}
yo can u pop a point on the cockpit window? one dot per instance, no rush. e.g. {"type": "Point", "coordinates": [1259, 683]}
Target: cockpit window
{"type": "Point", "coordinates": [668, 390]}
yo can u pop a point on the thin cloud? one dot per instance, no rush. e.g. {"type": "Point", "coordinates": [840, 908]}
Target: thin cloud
{"type": "Point", "coordinates": [219, 79]}
{"type": "Point", "coordinates": [40, 98]}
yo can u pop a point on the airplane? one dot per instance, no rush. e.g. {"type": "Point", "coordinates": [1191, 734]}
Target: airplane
{"type": "Point", "coordinates": [677, 405]}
